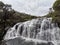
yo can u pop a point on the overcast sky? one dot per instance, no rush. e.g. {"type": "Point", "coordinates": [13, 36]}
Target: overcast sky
{"type": "Point", "coordinates": [33, 7]}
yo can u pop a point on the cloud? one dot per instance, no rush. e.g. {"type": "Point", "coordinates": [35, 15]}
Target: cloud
{"type": "Point", "coordinates": [34, 7]}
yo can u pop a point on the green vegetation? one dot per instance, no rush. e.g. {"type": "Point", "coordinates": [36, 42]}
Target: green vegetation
{"type": "Point", "coordinates": [56, 5]}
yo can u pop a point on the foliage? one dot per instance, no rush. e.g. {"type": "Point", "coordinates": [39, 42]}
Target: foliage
{"type": "Point", "coordinates": [56, 5]}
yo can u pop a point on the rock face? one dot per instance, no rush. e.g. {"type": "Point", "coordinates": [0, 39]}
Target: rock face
{"type": "Point", "coordinates": [39, 31]}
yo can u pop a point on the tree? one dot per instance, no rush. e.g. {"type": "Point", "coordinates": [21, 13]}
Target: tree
{"type": "Point", "coordinates": [1, 4]}
{"type": "Point", "coordinates": [5, 10]}
{"type": "Point", "coordinates": [56, 5]}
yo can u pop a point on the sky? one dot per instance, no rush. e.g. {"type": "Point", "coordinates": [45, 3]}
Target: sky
{"type": "Point", "coordinates": [33, 7]}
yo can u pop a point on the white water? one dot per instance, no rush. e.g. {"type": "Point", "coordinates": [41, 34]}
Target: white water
{"type": "Point", "coordinates": [37, 30]}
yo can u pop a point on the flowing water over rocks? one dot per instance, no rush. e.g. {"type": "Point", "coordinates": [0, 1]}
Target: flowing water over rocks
{"type": "Point", "coordinates": [39, 31]}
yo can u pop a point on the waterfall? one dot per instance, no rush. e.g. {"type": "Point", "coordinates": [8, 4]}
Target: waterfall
{"type": "Point", "coordinates": [37, 30]}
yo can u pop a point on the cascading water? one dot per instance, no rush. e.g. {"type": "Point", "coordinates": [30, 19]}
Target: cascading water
{"type": "Point", "coordinates": [37, 30]}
